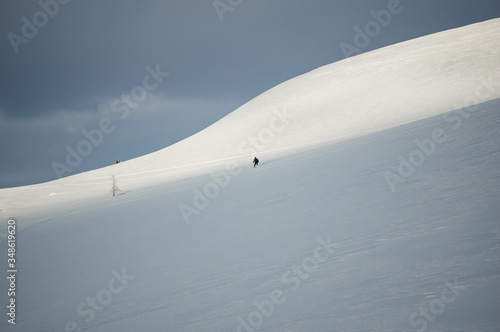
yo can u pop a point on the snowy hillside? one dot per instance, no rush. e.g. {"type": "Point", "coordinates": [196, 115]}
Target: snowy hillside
{"type": "Point", "coordinates": [377, 90]}
{"type": "Point", "coordinates": [375, 208]}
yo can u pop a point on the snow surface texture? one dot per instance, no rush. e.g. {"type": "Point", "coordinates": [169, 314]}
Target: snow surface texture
{"type": "Point", "coordinates": [344, 226]}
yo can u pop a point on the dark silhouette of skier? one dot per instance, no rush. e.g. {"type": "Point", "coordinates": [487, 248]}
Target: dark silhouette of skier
{"type": "Point", "coordinates": [255, 162]}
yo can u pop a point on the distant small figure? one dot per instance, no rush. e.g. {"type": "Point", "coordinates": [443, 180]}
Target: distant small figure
{"type": "Point", "coordinates": [117, 161]}
{"type": "Point", "coordinates": [255, 162]}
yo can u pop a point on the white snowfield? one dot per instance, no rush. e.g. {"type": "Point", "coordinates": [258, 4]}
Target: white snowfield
{"type": "Point", "coordinates": [375, 208]}
{"type": "Point", "coordinates": [367, 93]}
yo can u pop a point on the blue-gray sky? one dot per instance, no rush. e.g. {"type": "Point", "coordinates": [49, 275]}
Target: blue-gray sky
{"type": "Point", "coordinates": [67, 64]}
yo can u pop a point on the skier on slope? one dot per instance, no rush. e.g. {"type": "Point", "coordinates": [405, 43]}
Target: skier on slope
{"type": "Point", "coordinates": [255, 162]}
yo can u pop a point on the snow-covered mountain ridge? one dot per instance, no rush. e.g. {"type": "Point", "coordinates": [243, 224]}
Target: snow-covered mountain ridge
{"type": "Point", "coordinates": [366, 93]}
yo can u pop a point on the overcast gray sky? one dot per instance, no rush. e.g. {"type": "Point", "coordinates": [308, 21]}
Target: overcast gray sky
{"type": "Point", "coordinates": [68, 64]}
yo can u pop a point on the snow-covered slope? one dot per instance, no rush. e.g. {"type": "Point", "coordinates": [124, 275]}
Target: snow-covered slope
{"type": "Point", "coordinates": [344, 226]}
{"type": "Point", "coordinates": [370, 92]}
{"type": "Point", "coordinates": [316, 240]}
